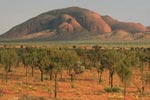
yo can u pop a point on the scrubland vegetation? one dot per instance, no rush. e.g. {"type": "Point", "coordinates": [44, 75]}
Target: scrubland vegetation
{"type": "Point", "coordinates": [121, 72]}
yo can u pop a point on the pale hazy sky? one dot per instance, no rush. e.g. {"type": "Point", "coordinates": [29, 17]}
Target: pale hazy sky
{"type": "Point", "coordinates": [13, 12]}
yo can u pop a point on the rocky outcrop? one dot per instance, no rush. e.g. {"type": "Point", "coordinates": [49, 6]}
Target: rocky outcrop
{"type": "Point", "coordinates": [75, 23]}
{"type": "Point", "coordinates": [72, 20]}
{"type": "Point", "coordinates": [126, 26]}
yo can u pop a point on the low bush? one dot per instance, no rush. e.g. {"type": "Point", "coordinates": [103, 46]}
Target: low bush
{"type": "Point", "coordinates": [79, 69]}
{"type": "Point", "coordinates": [108, 89]}
{"type": "Point", "coordinates": [45, 78]}
{"type": "Point", "coordinates": [114, 89]}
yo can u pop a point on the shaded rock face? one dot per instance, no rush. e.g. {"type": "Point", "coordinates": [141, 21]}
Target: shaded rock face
{"type": "Point", "coordinates": [67, 24]}
{"type": "Point", "coordinates": [33, 25]}
{"type": "Point", "coordinates": [73, 23]}
{"type": "Point", "coordinates": [91, 21]}
{"type": "Point", "coordinates": [126, 26]}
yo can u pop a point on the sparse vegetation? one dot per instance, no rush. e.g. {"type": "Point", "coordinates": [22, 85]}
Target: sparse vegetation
{"type": "Point", "coordinates": [64, 65]}
{"type": "Point", "coordinates": [28, 97]}
{"type": "Point", "coordinates": [114, 89]}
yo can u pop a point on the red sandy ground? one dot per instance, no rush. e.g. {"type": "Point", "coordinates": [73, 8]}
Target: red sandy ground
{"type": "Point", "coordinates": [86, 87]}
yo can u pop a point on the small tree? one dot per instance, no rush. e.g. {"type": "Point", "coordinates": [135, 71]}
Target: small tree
{"type": "Point", "coordinates": [142, 58]}
{"type": "Point", "coordinates": [42, 61]}
{"type": "Point", "coordinates": [124, 74]}
{"type": "Point", "coordinates": [100, 64]}
{"type": "Point", "coordinates": [73, 63]}
{"type": "Point", "coordinates": [56, 62]}
{"type": "Point", "coordinates": [26, 60]}
{"type": "Point", "coordinates": [100, 70]}
{"type": "Point", "coordinates": [109, 60]}
{"type": "Point", "coordinates": [29, 58]}
{"type": "Point", "coordinates": [49, 69]}
{"type": "Point", "coordinates": [9, 58]}
{"type": "Point", "coordinates": [96, 56]}
{"type": "Point", "coordinates": [34, 59]}
{"type": "Point", "coordinates": [56, 70]}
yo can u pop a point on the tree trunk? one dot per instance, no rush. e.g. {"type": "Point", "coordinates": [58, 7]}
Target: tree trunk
{"type": "Point", "coordinates": [125, 87]}
{"type": "Point", "coordinates": [72, 80]}
{"type": "Point", "coordinates": [6, 76]}
{"type": "Point", "coordinates": [42, 73]}
{"type": "Point", "coordinates": [111, 80]}
{"type": "Point", "coordinates": [50, 74]}
{"type": "Point", "coordinates": [84, 60]}
{"type": "Point", "coordinates": [149, 65]}
{"type": "Point", "coordinates": [9, 69]}
{"type": "Point", "coordinates": [32, 71]}
{"type": "Point", "coordinates": [142, 72]}
{"type": "Point", "coordinates": [67, 70]}
{"type": "Point", "coordinates": [143, 89]}
{"type": "Point", "coordinates": [100, 77]}
{"type": "Point", "coordinates": [26, 71]}
{"type": "Point", "coordinates": [61, 73]}
{"type": "Point", "coordinates": [2, 76]}
{"type": "Point", "coordinates": [55, 91]}
{"type": "Point", "coordinates": [41, 76]}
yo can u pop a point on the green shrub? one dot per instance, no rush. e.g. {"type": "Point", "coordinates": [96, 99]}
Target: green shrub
{"type": "Point", "coordinates": [108, 89]}
{"type": "Point", "coordinates": [82, 69]}
{"type": "Point", "coordinates": [114, 89]}
{"type": "Point", "coordinates": [79, 69]}
{"type": "Point", "coordinates": [45, 78]}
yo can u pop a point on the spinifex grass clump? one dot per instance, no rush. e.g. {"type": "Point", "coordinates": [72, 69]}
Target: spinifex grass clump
{"type": "Point", "coordinates": [114, 89]}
